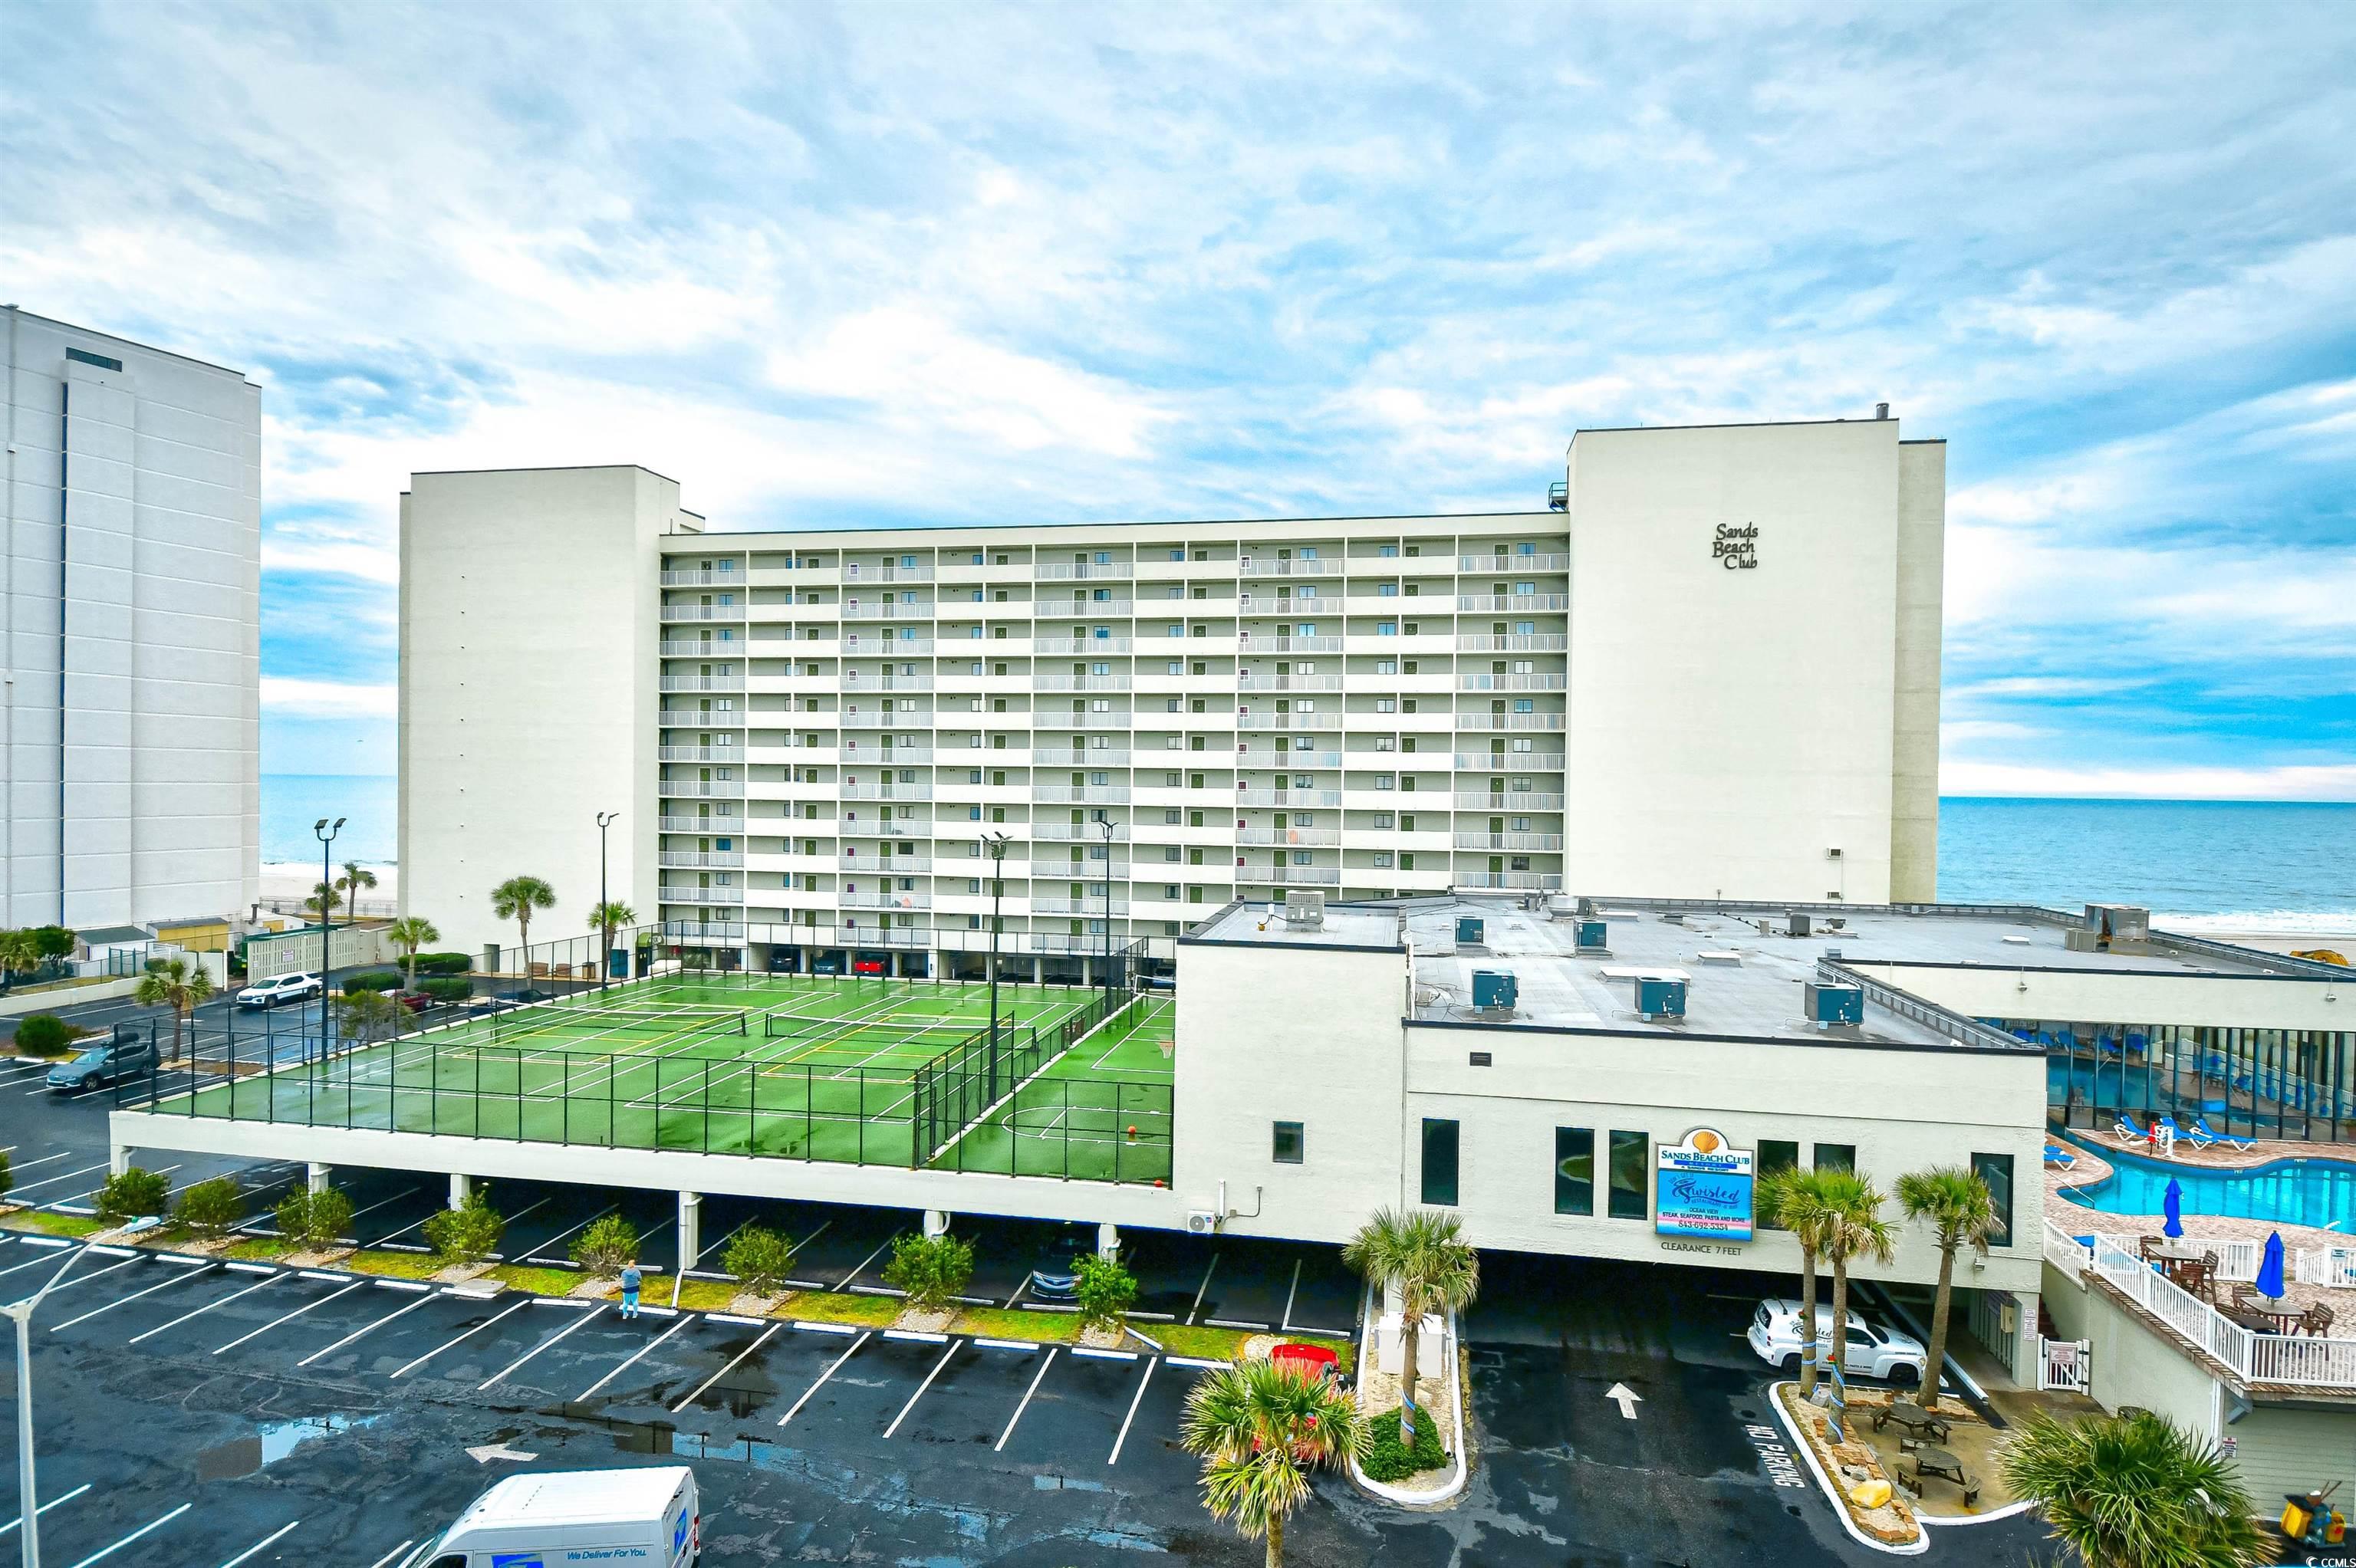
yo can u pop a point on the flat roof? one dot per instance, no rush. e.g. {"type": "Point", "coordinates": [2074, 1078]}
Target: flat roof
{"type": "Point", "coordinates": [1366, 927]}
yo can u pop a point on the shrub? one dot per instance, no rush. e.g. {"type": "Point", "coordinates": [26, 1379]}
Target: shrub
{"type": "Point", "coordinates": [446, 990]}
{"type": "Point", "coordinates": [469, 1234]}
{"type": "Point", "coordinates": [605, 1246]}
{"type": "Point", "coordinates": [314, 1219]}
{"type": "Point", "coordinates": [370, 980]}
{"type": "Point", "coordinates": [1386, 1460]}
{"type": "Point", "coordinates": [8, 1174]}
{"type": "Point", "coordinates": [45, 1034]}
{"type": "Point", "coordinates": [759, 1258]}
{"type": "Point", "coordinates": [54, 941]}
{"type": "Point", "coordinates": [212, 1208]}
{"type": "Point", "coordinates": [443, 963]}
{"type": "Point", "coordinates": [132, 1195]}
{"type": "Point", "coordinates": [929, 1270]}
{"type": "Point", "coordinates": [366, 1016]}
{"type": "Point", "coordinates": [1106, 1291]}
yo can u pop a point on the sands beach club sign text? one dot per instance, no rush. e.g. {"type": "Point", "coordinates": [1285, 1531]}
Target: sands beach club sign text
{"type": "Point", "coordinates": [1735, 549]}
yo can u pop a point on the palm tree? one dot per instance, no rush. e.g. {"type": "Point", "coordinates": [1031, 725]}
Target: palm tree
{"type": "Point", "coordinates": [1259, 1429]}
{"type": "Point", "coordinates": [1423, 1256]}
{"type": "Point", "coordinates": [2134, 1492]}
{"type": "Point", "coordinates": [172, 982]}
{"type": "Point", "coordinates": [325, 897]}
{"type": "Point", "coordinates": [409, 934]}
{"type": "Point", "coordinates": [1793, 1199]}
{"type": "Point", "coordinates": [20, 951]}
{"type": "Point", "coordinates": [1962, 1212]}
{"type": "Point", "coordinates": [356, 877]}
{"type": "Point", "coordinates": [1853, 1228]}
{"type": "Point", "coordinates": [515, 899]}
{"type": "Point", "coordinates": [604, 919]}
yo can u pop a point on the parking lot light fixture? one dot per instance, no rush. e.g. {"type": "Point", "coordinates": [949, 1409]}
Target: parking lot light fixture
{"type": "Point", "coordinates": [997, 843]}
{"type": "Point", "coordinates": [327, 836]}
{"type": "Point", "coordinates": [30, 1509]}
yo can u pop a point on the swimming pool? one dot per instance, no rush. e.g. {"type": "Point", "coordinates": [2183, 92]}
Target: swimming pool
{"type": "Point", "coordinates": [2283, 1193]}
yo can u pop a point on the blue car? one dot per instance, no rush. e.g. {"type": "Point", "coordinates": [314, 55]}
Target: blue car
{"type": "Point", "coordinates": [127, 1055]}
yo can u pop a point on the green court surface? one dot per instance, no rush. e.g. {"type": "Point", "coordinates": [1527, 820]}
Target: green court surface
{"type": "Point", "coordinates": [793, 1067]}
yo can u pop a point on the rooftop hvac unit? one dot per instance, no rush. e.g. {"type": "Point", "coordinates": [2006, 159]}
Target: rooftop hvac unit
{"type": "Point", "coordinates": [1590, 937]}
{"type": "Point", "coordinates": [1799, 924]}
{"type": "Point", "coordinates": [1660, 998]}
{"type": "Point", "coordinates": [1833, 1004]}
{"type": "Point", "coordinates": [1471, 930]}
{"type": "Point", "coordinates": [1494, 990]}
{"type": "Point", "coordinates": [1305, 911]}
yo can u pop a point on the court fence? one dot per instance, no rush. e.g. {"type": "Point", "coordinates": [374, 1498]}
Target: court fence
{"type": "Point", "coordinates": [970, 1079]}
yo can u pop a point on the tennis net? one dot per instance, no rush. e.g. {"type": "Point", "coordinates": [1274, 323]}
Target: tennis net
{"type": "Point", "coordinates": [620, 1020]}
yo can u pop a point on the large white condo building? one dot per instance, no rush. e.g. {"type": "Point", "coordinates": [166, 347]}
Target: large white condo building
{"type": "Point", "coordinates": [1713, 671]}
{"type": "Point", "coordinates": [133, 606]}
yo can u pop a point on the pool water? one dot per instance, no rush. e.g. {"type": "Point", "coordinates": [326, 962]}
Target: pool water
{"type": "Point", "coordinates": [2286, 1192]}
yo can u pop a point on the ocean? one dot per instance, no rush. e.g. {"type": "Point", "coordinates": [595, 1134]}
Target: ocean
{"type": "Point", "coordinates": [2259, 864]}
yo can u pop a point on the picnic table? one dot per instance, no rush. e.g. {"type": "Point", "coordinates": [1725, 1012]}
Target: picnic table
{"type": "Point", "coordinates": [2259, 1319]}
{"type": "Point", "coordinates": [1912, 1419]}
{"type": "Point", "coordinates": [1929, 1461]}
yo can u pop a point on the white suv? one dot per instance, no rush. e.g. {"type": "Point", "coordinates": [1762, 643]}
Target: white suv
{"type": "Point", "coordinates": [1871, 1350]}
{"type": "Point", "coordinates": [280, 989]}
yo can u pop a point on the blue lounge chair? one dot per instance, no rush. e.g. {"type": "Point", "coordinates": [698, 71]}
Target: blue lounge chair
{"type": "Point", "coordinates": [2169, 1133]}
{"type": "Point", "coordinates": [2060, 1158]}
{"type": "Point", "coordinates": [2228, 1139]}
{"type": "Point", "coordinates": [2127, 1132]}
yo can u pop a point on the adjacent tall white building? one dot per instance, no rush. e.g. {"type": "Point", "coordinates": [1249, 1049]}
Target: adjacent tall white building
{"type": "Point", "coordinates": [1713, 670]}
{"type": "Point", "coordinates": [133, 611]}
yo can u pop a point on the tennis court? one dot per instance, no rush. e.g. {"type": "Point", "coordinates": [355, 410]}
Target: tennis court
{"type": "Point", "coordinates": [865, 1070]}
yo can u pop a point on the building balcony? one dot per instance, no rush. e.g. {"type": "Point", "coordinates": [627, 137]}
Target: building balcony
{"type": "Point", "coordinates": [1047, 609]}
{"type": "Point", "coordinates": [1510, 603]}
{"type": "Point", "coordinates": [1247, 682]}
{"type": "Point", "coordinates": [1081, 794]}
{"type": "Point", "coordinates": [893, 571]}
{"type": "Point", "coordinates": [1076, 571]}
{"type": "Point", "coordinates": [894, 720]}
{"type": "Point", "coordinates": [1291, 876]}
{"type": "Point", "coordinates": [1510, 762]}
{"type": "Point", "coordinates": [1519, 881]}
{"type": "Point", "coordinates": [703, 933]}
{"type": "Point", "coordinates": [857, 755]}
{"type": "Point", "coordinates": [1514, 643]}
{"type": "Point", "coordinates": [1529, 682]}
{"type": "Point", "coordinates": [1042, 681]}
{"type": "Point", "coordinates": [1517, 800]}
{"type": "Point", "coordinates": [881, 899]}
{"type": "Point", "coordinates": [682, 893]}
{"type": "Point", "coordinates": [866, 612]}
{"type": "Point", "coordinates": [733, 577]}
{"type": "Point", "coordinates": [1247, 758]}
{"type": "Point", "coordinates": [700, 789]}
{"type": "Point", "coordinates": [1509, 720]}
{"type": "Point", "coordinates": [1547, 843]}
{"type": "Point", "coordinates": [696, 649]}
{"type": "Point", "coordinates": [730, 825]}
{"type": "Point", "coordinates": [885, 791]}
{"type": "Point", "coordinates": [731, 754]}
{"type": "Point", "coordinates": [882, 865]}
{"type": "Point", "coordinates": [1288, 722]}
{"type": "Point", "coordinates": [677, 613]}
{"type": "Point", "coordinates": [854, 684]}
{"type": "Point", "coordinates": [1509, 564]}
{"type": "Point", "coordinates": [1079, 832]}
{"type": "Point", "coordinates": [1263, 566]}
{"type": "Point", "coordinates": [1080, 647]}
{"type": "Point", "coordinates": [858, 648]}
{"type": "Point", "coordinates": [707, 859]}
{"type": "Point", "coordinates": [702, 682]}
{"type": "Point", "coordinates": [1267, 643]}
{"type": "Point", "coordinates": [701, 717]}
{"type": "Point", "coordinates": [1108, 757]}
{"type": "Point", "coordinates": [1297, 799]}
{"type": "Point", "coordinates": [1300, 838]}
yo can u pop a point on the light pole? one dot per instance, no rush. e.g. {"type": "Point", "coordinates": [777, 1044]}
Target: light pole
{"type": "Point", "coordinates": [997, 843]}
{"type": "Point", "coordinates": [604, 932]}
{"type": "Point", "coordinates": [1106, 823]}
{"type": "Point", "coordinates": [29, 1509]}
{"type": "Point", "coordinates": [326, 832]}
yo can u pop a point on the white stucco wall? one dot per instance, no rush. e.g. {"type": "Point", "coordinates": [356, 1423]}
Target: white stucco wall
{"type": "Point", "coordinates": [528, 625]}
{"type": "Point", "coordinates": [2114, 996]}
{"type": "Point", "coordinates": [1728, 727]}
{"type": "Point", "coordinates": [1914, 735]}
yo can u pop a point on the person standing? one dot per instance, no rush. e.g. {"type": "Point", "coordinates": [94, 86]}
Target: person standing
{"type": "Point", "coordinates": [631, 1280]}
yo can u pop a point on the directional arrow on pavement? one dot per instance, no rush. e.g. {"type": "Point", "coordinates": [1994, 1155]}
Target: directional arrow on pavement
{"type": "Point", "coordinates": [484, 1454]}
{"type": "Point", "coordinates": [1626, 1398]}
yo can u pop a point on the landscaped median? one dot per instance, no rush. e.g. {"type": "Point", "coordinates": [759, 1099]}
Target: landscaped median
{"type": "Point", "coordinates": [1871, 1507]}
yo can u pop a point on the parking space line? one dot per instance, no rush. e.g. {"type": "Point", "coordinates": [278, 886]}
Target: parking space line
{"type": "Point", "coordinates": [626, 1366]}
{"type": "Point", "coordinates": [539, 1257]}
{"type": "Point", "coordinates": [1008, 1344]}
{"type": "Point", "coordinates": [45, 1508]}
{"type": "Point", "coordinates": [387, 1557]}
{"type": "Point", "coordinates": [869, 1258]}
{"type": "Point", "coordinates": [1199, 1289]}
{"type": "Point", "coordinates": [581, 1322]}
{"type": "Point", "coordinates": [835, 1367]}
{"type": "Point", "coordinates": [1019, 1409]}
{"type": "Point", "coordinates": [249, 1553]}
{"type": "Point", "coordinates": [413, 1224]}
{"type": "Point", "coordinates": [1135, 1400]}
{"type": "Point", "coordinates": [1235, 1323]}
{"type": "Point", "coordinates": [1286, 1321]}
{"type": "Point", "coordinates": [28, 1164]}
{"type": "Point", "coordinates": [104, 1551]}
{"type": "Point", "coordinates": [1091, 1353]}
{"type": "Point", "coordinates": [354, 1334]}
{"type": "Point", "coordinates": [121, 1300]}
{"type": "Point", "coordinates": [207, 1306]}
{"type": "Point", "coordinates": [35, 1261]}
{"type": "Point", "coordinates": [730, 1367]}
{"type": "Point", "coordinates": [85, 1279]}
{"type": "Point", "coordinates": [921, 1388]}
{"type": "Point", "coordinates": [290, 1317]}
{"type": "Point", "coordinates": [69, 1176]}
{"type": "Point", "coordinates": [461, 1338]}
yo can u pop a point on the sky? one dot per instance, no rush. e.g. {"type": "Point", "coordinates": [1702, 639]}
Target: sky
{"type": "Point", "coordinates": [911, 264]}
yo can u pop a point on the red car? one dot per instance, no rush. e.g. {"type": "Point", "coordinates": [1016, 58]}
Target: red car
{"type": "Point", "coordinates": [867, 967]}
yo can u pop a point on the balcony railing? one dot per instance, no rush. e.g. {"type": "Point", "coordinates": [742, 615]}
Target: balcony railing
{"type": "Point", "coordinates": [1524, 881]}
{"type": "Point", "coordinates": [855, 755]}
{"type": "Point", "coordinates": [703, 858]}
{"type": "Point", "coordinates": [1081, 794]}
{"type": "Point", "coordinates": [879, 866]}
{"type": "Point", "coordinates": [1087, 831]}
{"type": "Point", "coordinates": [1288, 722]}
{"type": "Point", "coordinates": [885, 792]}
{"type": "Point", "coordinates": [1265, 567]}
{"type": "Point", "coordinates": [1245, 758]}
{"type": "Point", "coordinates": [701, 753]}
{"type": "Point", "coordinates": [1512, 800]}
{"type": "Point", "coordinates": [1055, 757]}
{"type": "Point", "coordinates": [1551, 843]}
{"type": "Point", "coordinates": [881, 900]}
{"type": "Point", "coordinates": [1510, 762]}
{"type": "Point", "coordinates": [2253, 1357]}
{"type": "Point", "coordinates": [726, 826]}
{"type": "Point", "coordinates": [1509, 564]}
{"type": "Point", "coordinates": [733, 578]}
{"type": "Point", "coordinates": [679, 893]}
{"type": "Point", "coordinates": [1529, 682]}
{"type": "Point", "coordinates": [1094, 906]}
{"type": "Point", "coordinates": [895, 720]}
{"type": "Point", "coordinates": [853, 683]}
{"type": "Point", "coordinates": [1042, 681]}
{"type": "Point", "coordinates": [1255, 643]}
{"type": "Point", "coordinates": [1052, 646]}
{"type": "Point", "coordinates": [696, 649]}
{"type": "Point", "coordinates": [1046, 609]}
{"type": "Point", "coordinates": [700, 789]}
{"type": "Point", "coordinates": [1514, 643]}
{"type": "Point", "coordinates": [703, 611]}
{"type": "Point", "coordinates": [1291, 876]}
{"type": "Point", "coordinates": [704, 683]}
{"type": "Point", "coordinates": [1509, 720]}
{"type": "Point", "coordinates": [852, 648]}
{"type": "Point", "coordinates": [702, 719]}
{"type": "Point", "coordinates": [1074, 571]}
{"type": "Point", "coordinates": [868, 609]}
{"type": "Point", "coordinates": [1291, 797]}
{"type": "Point", "coordinates": [1501, 604]}
{"type": "Point", "coordinates": [1246, 681]}
{"type": "Point", "coordinates": [1304, 838]}
{"type": "Point", "coordinates": [890, 571]}
{"type": "Point", "coordinates": [702, 932]}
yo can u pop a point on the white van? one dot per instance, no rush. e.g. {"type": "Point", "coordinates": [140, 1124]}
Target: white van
{"type": "Point", "coordinates": [559, 1518]}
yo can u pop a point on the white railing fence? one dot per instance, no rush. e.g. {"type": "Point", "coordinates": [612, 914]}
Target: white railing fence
{"type": "Point", "coordinates": [2064, 1364]}
{"type": "Point", "coordinates": [2258, 1358]}
{"type": "Point", "coordinates": [2334, 1267]}
{"type": "Point", "coordinates": [2065, 1250]}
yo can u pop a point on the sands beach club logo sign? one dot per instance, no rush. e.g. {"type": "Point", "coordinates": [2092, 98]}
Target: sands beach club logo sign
{"type": "Point", "coordinates": [1702, 1187]}
{"type": "Point", "coordinates": [1735, 549]}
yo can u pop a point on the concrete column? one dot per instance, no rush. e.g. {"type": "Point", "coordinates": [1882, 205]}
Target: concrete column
{"type": "Point", "coordinates": [1038, 971]}
{"type": "Point", "coordinates": [690, 1229]}
{"type": "Point", "coordinates": [1087, 971]}
{"type": "Point", "coordinates": [320, 1174]}
{"type": "Point", "coordinates": [1109, 1240]}
{"type": "Point", "coordinates": [118, 1159]}
{"type": "Point", "coordinates": [937, 1222]}
{"type": "Point", "coordinates": [2025, 1369]}
{"type": "Point", "coordinates": [461, 1189]}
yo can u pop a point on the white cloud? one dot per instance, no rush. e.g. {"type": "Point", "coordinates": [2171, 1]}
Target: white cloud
{"type": "Point", "coordinates": [288, 696]}
{"type": "Point", "coordinates": [2300, 782]}
{"type": "Point", "coordinates": [336, 557]}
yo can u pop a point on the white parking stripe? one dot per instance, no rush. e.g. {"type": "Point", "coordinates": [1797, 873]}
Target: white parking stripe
{"type": "Point", "coordinates": [869, 1258]}
{"type": "Point", "coordinates": [380, 1323]}
{"type": "Point", "coordinates": [609, 1209]}
{"type": "Point", "coordinates": [69, 1176]}
{"type": "Point", "coordinates": [1202, 1288]}
{"type": "Point", "coordinates": [45, 1508]}
{"type": "Point", "coordinates": [207, 1306]}
{"type": "Point", "coordinates": [387, 1557]}
{"type": "Point", "coordinates": [1286, 1321]}
{"type": "Point", "coordinates": [413, 1224]}
{"type": "Point", "coordinates": [85, 1279]}
{"type": "Point", "coordinates": [290, 1317]}
{"type": "Point", "coordinates": [730, 1367]}
{"type": "Point", "coordinates": [28, 1164]}
{"type": "Point", "coordinates": [922, 1386]}
{"type": "Point", "coordinates": [1000, 1445]}
{"type": "Point", "coordinates": [461, 1338]}
{"type": "Point", "coordinates": [248, 1553]}
{"type": "Point", "coordinates": [1136, 1399]}
{"type": "Point", "coordinates": [830, 1371]}
{"type": "Point", "coordinates": [626, 1366]}
{"type": "Point", "coordinates": [505, 1372]}
{"type": "Point", "coordinates": [104, 1551]}
{"type": "Point", "coordinates": [121, 1300]}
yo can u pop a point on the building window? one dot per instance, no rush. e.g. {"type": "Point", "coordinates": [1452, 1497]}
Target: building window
{"type": "Point", "coordinates": [1439, 1160]}
{"type": "Point", "coordinates": [1574, 1170]}
{"type": "Point", "coordinates": [1382, 859]}
{"type": "Point", "coordinates": [1835, 1156]}
{"type": "Point", "coordinates": [1774, 1154]}
{"type": "Point", "coordinates": [1996, 1169]}
{"type": "Point", "coordinates": [1288, 1143]}
{"type": "Point", "coordinates": [1630, 1154]}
